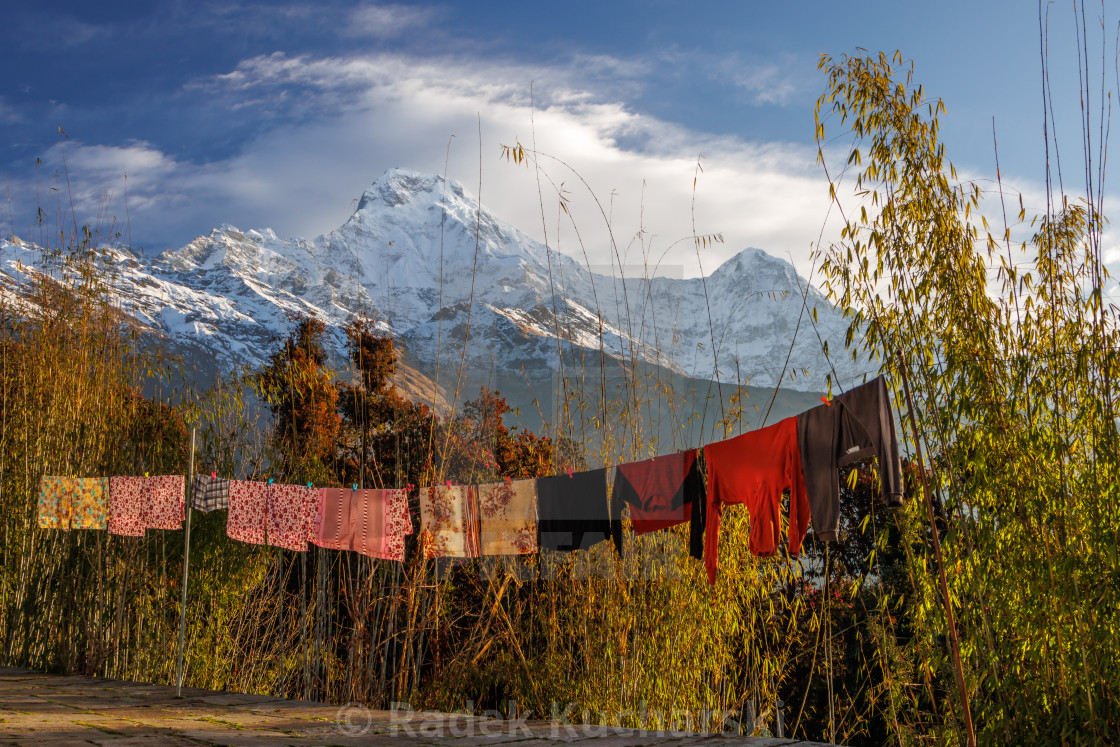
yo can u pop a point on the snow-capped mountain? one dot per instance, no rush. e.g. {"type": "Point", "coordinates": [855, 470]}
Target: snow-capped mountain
{"type": "Point", "coordinates": [440, 273]}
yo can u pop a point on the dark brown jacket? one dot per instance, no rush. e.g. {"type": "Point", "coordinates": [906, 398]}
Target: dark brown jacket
{"type": "Point", "coordinates": [859, 423]}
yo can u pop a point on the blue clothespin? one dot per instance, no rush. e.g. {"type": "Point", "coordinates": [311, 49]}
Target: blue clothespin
{"type": "Point", "coordinates": [270, 481]}
{"type": "Point", "coordinates": [310, 485]}
{"type": "Point", "coordinates": [355, 486]}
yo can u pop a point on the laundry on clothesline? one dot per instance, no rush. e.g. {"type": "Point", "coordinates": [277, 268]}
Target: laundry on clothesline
{"type": "Point", "coordinates": [247, 516]}
{"type": "Point", "coordinates": [272, 514]}
{"type": "Point", "coordinates": [137, 504]}
{"type": "Point", "coordinates": [573, 510]}
{"type": "Point", "coordinates": [449, 521]}
{"type": "Point", "coordinates": [398, 524]}
{"type": "Point", "coordinates": [371, 522]}
{"type": "Point", "coordinates": [661, 492]}
{"type": "Point", "coordinates": [73, 502]}
{"type": "Point", "coordinates": [800, 455]}
{"type": "Point", "coordinates": [209, 493]}
{"type": "Point", "coordinates": [508, 517]}
{"type": "Point", "coordinates": [754, 469]}
{"type": "Point", "coordinates": [857, 424]}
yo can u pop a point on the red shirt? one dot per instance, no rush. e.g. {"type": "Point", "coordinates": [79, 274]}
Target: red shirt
{"type": "Point", "coordinates": [755, 468]}
{"type": "Point", "coordinates": [661, 492]}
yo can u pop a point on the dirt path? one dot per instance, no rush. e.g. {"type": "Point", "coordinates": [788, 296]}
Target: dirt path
{"type": "Point", "coordinates": [50, 709]}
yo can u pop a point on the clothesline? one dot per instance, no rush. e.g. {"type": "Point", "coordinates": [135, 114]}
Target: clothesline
{"type": "Point", "coordinates": [801, 454]}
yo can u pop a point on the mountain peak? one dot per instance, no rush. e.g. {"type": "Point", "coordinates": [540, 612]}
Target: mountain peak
{"type": "Point", "coordinates": [400, 186]}
{"type": "Point", "coordinates": [410, 255]}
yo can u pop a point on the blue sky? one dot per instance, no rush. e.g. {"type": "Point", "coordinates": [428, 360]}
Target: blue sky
{"type": "Point", "coordinates": [280, 114]}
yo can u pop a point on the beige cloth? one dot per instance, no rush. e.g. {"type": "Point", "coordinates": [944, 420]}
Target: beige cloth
{"type": "Point", "coordinates": [508, 517]}
{"type": "Point", "coordinates": [449, 521]}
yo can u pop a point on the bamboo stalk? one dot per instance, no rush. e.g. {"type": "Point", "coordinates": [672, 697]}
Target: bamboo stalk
{"type": "Point", "coordinates": [950, 620]}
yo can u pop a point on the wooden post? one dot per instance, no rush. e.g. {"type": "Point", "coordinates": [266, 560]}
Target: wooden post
{"type": "Point", "coordinates": [950, 620]}
{"type": "Point", "coordinates": [186, 571]}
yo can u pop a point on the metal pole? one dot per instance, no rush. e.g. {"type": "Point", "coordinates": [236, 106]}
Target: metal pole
{"type": "Point", "coordinates": [303, 615]}
{"type": "Point", "coordinates": [954, 644]}
{"type": "Point", "coordinates": [186, 570]}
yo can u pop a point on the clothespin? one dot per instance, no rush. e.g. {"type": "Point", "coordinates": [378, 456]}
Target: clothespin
{"type": "Point", "coordinates": [355, 486]}
{"type": "Point", "coordinates": [827, 401]}
{"type": "Point", "coordinates": [213, 475]}
{"type": "Point", "coordinates": [570, 472]}
{"type": "Point", "coordinates": [449, 483]}
{"type": "Point", "coordinates": [270, 481]}
{"type": "Point", "coordinates": [509, 481]}
{"type": "Point", "coordinates": [145, 474]}
{"type": "Point", "coordinates": [310, 485]}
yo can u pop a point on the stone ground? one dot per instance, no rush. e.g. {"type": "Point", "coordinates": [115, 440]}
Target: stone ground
{"type": "Point", "coordinates": [52, 709]}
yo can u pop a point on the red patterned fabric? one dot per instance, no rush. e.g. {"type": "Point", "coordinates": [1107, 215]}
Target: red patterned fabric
{"type": "Point", "coordinates": [140, 503]}
{"type": "Point", "coordinates": [397, 524]}
{"type": "Point", "coordinates": [165, 501]}
{"type": "Point", "coordinates": [289, 510]}
{"type": "Point", "coordinates": [246, 519]}
{"type": "Point", "coordinates": [126, 506]}
{"type": "Point", "coordinates": [277, 515]}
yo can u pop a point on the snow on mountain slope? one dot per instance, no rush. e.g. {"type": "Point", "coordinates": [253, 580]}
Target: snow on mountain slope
{"type": "Point", "coordinates": [418, 249]}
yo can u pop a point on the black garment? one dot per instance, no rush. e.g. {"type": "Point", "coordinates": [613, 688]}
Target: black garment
{"type": "Point", "coordinates": [859, 423]}
{"type": "Point", "coordinates": [573, 510]}
{"type": "Point", "coordinates": [661, 492]}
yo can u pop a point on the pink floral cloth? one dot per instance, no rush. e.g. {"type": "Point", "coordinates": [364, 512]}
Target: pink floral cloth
{"type": "Point", "coordinates": [126, 506]}
{"type": "Point", "coordinates": [246, 519]}
{"type": "Point", "coordinates": [277, 515]}
{"type": "Point", "coordinates": [367, 521]}
{"type": "Point", "coordinates": [137, 504]}
{"type": "Point", "coordinates": [398, 524]}
{"type": "Point", "coordinates": [289, 510]}
{"type": "Point", "coordinates": [449, 521]}
{"type": "Point", "coordinates": [166, 500]}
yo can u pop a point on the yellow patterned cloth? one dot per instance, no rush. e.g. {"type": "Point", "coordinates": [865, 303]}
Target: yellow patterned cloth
{"type": "Point", "coordinates": [449, 521]}
{"type": "Point", "coordinates": [508, 517]}
{"type": "Point", "coordinates": [73, 502]}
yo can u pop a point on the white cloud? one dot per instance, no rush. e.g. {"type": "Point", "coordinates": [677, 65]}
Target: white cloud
{"type": "Point", "coordinates": [626, 174]}
{"type": "Point", "coordinates": [393, 110]}
{"type": "Point", "coordinates": [385, 21]}
{"type": "Point", "coordinates": [777, 82]}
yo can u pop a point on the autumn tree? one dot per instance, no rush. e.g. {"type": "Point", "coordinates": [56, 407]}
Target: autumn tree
{"type": "Point", "coordinates": [481, 447]}
{"type": "Point", "coordinates": [300, 392]}
{"type": "Point", "coordinates": [386, 437]}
